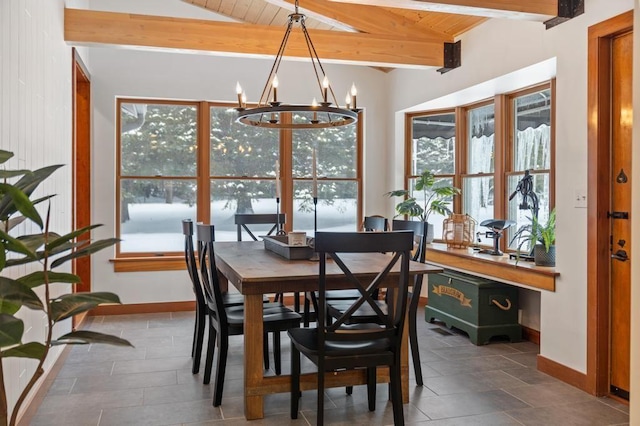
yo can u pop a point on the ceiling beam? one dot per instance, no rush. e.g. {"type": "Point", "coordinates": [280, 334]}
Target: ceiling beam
{"type": "Point", "coordinates": [536, 10]}
{"type": "Point", "coordinates": [363, 18]}
{"type": "Point", "coordinates": [86, 27]}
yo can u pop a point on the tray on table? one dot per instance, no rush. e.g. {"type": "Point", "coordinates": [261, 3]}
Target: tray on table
{"type": "Point", "coordinates": [279, 245]}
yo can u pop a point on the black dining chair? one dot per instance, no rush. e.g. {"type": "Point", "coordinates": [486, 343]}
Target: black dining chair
{"type": "Point", "coordinates": [366, 314]}
{"type": "Point", "coordinates": [373, 223]}
{"type": "Point", "coordinates": [228, 299]}
{"type": "Point", "coordinates": [225, 321]}
{"type": "Point", "coordinates": [419, 229]}
{"type": "Point", "coordinates": [342, 345]}
{"type": "Point", "coordinates": [243, 222]}
{"type": "Point", "coordinates": [201, 306]}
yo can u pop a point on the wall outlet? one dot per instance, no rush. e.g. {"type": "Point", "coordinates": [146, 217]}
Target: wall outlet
{"type": "Point", "coordinates": [580, 199]}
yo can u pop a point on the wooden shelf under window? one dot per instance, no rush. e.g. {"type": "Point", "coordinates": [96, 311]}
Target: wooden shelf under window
{"type": "Point", "coordinates": [501, 268]}
{"type": "Point", "coordinates": [148, 264]}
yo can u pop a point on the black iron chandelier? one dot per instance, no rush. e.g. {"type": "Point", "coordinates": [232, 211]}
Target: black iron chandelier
{"type": "Point", "coordinates": [323, 114]}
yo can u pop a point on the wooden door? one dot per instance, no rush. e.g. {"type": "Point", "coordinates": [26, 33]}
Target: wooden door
{"type": "Point", "coordinates": [620, 217]}
{"type": "Point", "coordinates": [81, 96]}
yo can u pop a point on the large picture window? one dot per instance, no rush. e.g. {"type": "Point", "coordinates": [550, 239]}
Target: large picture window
{"type": "Point", "coordinates": [498, 140]}
{"type": "Point", "coordinates": [191, 160]}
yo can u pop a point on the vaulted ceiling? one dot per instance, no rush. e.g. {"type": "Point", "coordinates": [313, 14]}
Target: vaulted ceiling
{"type": "Point", "coordinates": [383, 33]}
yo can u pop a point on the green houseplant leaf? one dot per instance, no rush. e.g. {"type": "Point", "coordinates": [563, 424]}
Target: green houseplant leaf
{"type": "Point", "coordinates": [32, 350]}
{"type": "Point", "coordinates": [69, 305]}
{"type": "Point", "coordinates": [11, 330]}
{"type": "Point", "coordinates": [436, 194]}
{"type": "Point", "coordinates": [14, 295]}
{"type": "Point", "coordinates": [83, 337]}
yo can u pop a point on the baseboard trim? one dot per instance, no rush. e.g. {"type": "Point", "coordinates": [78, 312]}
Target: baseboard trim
{"type": "Point", "coordinates": [143, 308]}
{"type": "Point", "coordinates": [564, 373]}
{"type": "Point", "coordinates": [31, 406]}
{"type": "Point", "coordinates": [531, 335]}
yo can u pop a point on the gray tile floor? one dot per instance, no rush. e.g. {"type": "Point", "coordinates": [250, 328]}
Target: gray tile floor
{"type": "Point", "coordinates": [152, 384]}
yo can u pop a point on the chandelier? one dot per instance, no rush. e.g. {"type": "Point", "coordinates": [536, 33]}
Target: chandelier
{"type": "Point", "coordinates": [323, 114]}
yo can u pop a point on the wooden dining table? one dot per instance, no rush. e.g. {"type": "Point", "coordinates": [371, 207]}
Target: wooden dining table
{"type": "Point", "coordinates": [255, 271]}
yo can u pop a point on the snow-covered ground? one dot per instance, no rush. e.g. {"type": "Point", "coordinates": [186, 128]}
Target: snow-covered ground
{"type": "Point", "coordinates": [157, 227]}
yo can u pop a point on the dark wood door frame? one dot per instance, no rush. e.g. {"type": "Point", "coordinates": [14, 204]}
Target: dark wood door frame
{"type": "Point", "coordinates": [81, 151]}
{"type": "Point", "coordinates": [599, 175]}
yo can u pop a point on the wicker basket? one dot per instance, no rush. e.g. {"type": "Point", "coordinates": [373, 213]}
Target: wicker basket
{"type": "Point", "coordinates": [458, 230]}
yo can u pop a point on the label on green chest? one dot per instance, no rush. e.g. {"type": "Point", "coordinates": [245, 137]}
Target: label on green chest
{"type": "Point", "coordinates": [443, 290]}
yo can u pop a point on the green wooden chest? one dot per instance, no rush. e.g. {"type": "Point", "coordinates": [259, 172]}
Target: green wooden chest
{"type": "Point", "coordinates": [478, 306]}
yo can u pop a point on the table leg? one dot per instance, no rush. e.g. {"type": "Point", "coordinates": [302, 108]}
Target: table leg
{"type": "Point", "coordinates": [253, 353]}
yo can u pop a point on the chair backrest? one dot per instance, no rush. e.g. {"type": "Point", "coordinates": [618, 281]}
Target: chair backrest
{"type": "Point", "coordinates": [243, 220]}
{"type": "Point", "coordinates": [419, 229]}
{"type": "Point", "coordinates": [375, 223]}
{"type": "Point", "coordinates": [209, 272]}
{"type": "Point", "coordinates": [190, 259]}
{"type": "Point", "coordinates": [398, 247]}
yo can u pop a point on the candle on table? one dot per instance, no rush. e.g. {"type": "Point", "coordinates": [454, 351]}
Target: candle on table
{"type": "Point", "coordinates": [278, 180]}
{"type": "Point", "coordinates": [314, 175]}
{"type": "Point", "coordinates": [239, 93]}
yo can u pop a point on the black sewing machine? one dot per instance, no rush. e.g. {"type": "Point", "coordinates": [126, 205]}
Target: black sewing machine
{"type": "Point", "coordinates": [497, 227]}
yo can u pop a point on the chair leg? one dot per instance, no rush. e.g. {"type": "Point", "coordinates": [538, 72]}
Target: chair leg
{"type": "Point", "coordinates": [413, 342]}
{"type": "Point", "coordinates": [349, 390]}
{"type": "Point", "coordinates": [211, 348]}
{"type": "Point", "coordinates": [295, 381]}
{"type": "Point", "coordinates": [371, 387]}
{"type": "Point", "coordinates": [198, 338]}
{"type": "Point", "coordinates": [396, 394]}
{"type": "Point", "coordinates": [277, 361]}
{"type": "Point", "coordinates": [320, 408]}
{"type": "Point", "coordinates": [265, 350]}
{"type": "Point", "coordinates": [223, 350]}
{"type": "Point", "coordinates": [307, 310]}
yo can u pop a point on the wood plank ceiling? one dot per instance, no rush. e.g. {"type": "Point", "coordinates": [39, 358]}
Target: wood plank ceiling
{"type": "Point", "coordinates": [381, 33]}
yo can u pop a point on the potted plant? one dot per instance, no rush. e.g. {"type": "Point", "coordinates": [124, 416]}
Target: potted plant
{"type": "Point", "coordinates": [50, 250]}
{"type": "Point", "coordinates": [436, 195]}
{"type": "Point", "coordinates": [540, 236]}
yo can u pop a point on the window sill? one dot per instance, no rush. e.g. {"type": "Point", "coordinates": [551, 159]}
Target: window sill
{"type": "Point", "coordinates": [500, 268]}
{"type": "Point", "coordinates": [148, 264]}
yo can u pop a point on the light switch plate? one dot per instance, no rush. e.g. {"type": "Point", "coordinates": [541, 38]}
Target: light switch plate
{"type": "Point", "coordinates": [580, 199]}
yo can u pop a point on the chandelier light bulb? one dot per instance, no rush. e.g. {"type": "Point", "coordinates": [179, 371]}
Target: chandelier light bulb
{"type": "Point", "coordinates": [243, 100]}
{"type": "Point", "coordinates": [274, 84]}
{"type": "Point", "coordinates": [354, 92]}
{"type": "Point", "coordinates": [347, 101]}
{"type": "Point", "coordinates": [325, 88]}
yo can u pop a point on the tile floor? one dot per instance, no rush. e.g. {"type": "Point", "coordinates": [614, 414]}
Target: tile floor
{"type": "Point", "coordinates": [152, 384]}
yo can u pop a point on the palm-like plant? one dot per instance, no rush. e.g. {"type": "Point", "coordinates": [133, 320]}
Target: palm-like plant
{"type": "Point", "coordinates": [50, 250]}
{"type": "Point", "coordinates": [436, 194]}
{"type": "Point", "coordinates": [537, 232]}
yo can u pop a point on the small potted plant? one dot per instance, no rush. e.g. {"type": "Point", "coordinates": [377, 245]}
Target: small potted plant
{"type": "Point", "coordinates": [542, 236]}
{"type": "Point", "coordinates": [436, 194]}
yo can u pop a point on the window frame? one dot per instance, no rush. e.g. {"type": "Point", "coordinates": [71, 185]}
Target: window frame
{"type": "Point", "coordinates": [504, 147]}
{"type": "Point", "coordinates": [173, 260]}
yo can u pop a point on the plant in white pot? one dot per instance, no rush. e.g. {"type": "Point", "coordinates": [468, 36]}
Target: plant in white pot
{"type": "Point", "coordinates": [436, 195]}
{"type": "Point", "coordinates": [542, 236]}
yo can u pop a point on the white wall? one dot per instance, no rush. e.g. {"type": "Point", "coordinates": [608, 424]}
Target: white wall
{"type": "Point", "coordinates": [130, 73]}
{"type": "Point", "coordinates": [501, 47]}
{"type": "Point", "coordinates": [35, 124]}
